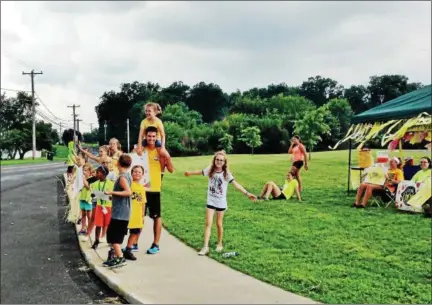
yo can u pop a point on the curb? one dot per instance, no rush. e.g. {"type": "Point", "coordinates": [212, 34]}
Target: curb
{"type": "Point", "coordinates": [107, 275]}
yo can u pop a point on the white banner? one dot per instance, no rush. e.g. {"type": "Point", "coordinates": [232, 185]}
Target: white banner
{"type": "Point", "coordinates": [143, 161]}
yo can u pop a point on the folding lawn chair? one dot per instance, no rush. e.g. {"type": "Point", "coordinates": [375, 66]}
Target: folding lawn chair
{"type": "Point", "coordinates": [382, 197]}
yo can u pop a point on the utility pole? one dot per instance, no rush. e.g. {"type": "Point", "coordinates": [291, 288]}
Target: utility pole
{"type": "Point", "coordinates": [105, 126]}
{"type": "Point", "coordinates": [32, 74]}
{"type": "Point", "coordinates": [78, 120]}
{"type": "Point", "coordinates": [91, 127]}
{"type": "Point", "coordinates": [74, 117]}
{"type": "Point", "coordinates": [60, 134]}
{"type": "Point", "coordinates": [128, 144]}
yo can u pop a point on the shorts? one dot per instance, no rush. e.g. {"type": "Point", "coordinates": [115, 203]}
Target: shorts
{"type": "Point", "coordinates": [280, 197]}
{"type": "Point", "coordinates": [158, 143]}
{"type": "Point", "coordinates": [153, 205]}
{"type": "Point", "coordinates": [101, 219]}
{"type": "Point", "coordinates": [70, 169]}
{"type": "Point", "coordinates": [298, 164]}
{"type": "Point", "coordinates": [135, 231]}
{"type": "Point", "coordinates": [117, 230]}
{"type": "Point", "coordinates": [86, 206]}
{"type": "Point", "coordinates": [215, 208]}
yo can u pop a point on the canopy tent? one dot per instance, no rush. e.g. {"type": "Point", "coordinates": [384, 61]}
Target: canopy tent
{"type": "Point", "coordinates": [407, 114]}
{"type": "Point", "coordinates": [405, 106]}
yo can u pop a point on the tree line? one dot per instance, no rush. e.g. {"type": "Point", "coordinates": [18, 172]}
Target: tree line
{"type": "Point", "coordinates": [203, 118]}
{"type": "Point", "coordinates": [16, 121]}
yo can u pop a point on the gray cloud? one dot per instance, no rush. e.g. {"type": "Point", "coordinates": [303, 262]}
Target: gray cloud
{"type": "Point", "coordinates": [92, 7]}
{"type": "Point", "coordinates": [86, 48]}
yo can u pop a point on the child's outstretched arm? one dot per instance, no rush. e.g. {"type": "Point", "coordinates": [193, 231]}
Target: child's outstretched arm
{"type": "Point", "coordinates": [140, 138]}
{"type": "Point", "coordinates": [126, 189]}
{"type": "Point", "coordinates": [190, 173]}
{"type": "Point", "coordinates": [242, 189]}
{"type": "Point", "coordinates": [89, 154]}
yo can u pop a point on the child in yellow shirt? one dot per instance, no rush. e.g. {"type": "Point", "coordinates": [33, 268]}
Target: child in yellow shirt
{"type": "Point", "coordinates": [290, 187]}
{"type": "Point", "coordinates": [151, 112]}
{"type": "Point", "coordinates": [136, 221]}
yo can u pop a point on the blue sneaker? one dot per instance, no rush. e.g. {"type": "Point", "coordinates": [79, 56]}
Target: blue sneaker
{"type": "Point", "coordinates": [153, 249]}
{"type": "Point", "coordinates": [135, 248]}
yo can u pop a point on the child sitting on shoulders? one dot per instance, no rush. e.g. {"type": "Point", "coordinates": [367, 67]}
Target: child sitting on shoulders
{"type": "Point", "coordinates": [151, 112]}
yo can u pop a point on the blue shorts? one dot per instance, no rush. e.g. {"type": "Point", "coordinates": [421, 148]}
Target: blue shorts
{"type": "Point", "coordinates": [158, 143]}
{"type": "Point", "coordinates": [86, 206]}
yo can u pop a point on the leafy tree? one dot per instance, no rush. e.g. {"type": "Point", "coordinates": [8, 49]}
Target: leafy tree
{"type": "Point", "coordinates": [358, 97]}
{"type": "Point", "coordinates": [311, 127]}
{"type": "Point", "coordinates": [209, 100]}
{"type": "Point", "coordinates": [91, 137]}
{"type": "Point", "coordinates": [387, 87]}
{"type": "Point", "coordinates": [320, 90]}
{"type": "Point", "coordinates": [251, 136]}
{"type": "Point", "coordinates": [226, 142]}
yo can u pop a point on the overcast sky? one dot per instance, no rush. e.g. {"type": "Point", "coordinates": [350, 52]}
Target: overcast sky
{"type": "Point", "coordinates": [86, 48]}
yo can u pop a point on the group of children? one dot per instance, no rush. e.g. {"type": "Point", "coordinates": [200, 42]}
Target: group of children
{"type": "Point", "coordinates": [126, 205]}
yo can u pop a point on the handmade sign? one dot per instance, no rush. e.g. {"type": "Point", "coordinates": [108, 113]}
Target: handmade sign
{"type": "Point", "coordinates": [143, 161]}
{"type": "Point", "coordinates": [411, 196]}
{"type": "Point", "coordinates": [375, 175]}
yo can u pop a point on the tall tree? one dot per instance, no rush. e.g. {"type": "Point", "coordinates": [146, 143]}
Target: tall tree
{"type": "Point", "coordinates": [358, 97]}
{"type": "Point", "coordinates": [251, 136]}
{"type": "Point", "coordinates": [387, 87]}
{"type": "Point", "coordinates": [311, 127]}
{"type": "Point", "coordinates": [209, 100]}
{"type": "Point", "coordinates": [320, 90]}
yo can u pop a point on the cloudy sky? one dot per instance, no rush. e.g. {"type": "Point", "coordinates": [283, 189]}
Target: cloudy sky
{"type": "Point", "coordinates": [86, 48]}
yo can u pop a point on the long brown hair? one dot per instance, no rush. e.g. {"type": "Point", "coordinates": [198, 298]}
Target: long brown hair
{"type": "Point", "coordinates": [225, 168]}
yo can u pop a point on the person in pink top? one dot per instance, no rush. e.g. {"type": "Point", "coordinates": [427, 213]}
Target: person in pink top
{"type": "Point", "coordinates": [299, 157]}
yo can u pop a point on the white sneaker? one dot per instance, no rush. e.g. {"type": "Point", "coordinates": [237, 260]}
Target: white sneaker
{"type": "Point", "coordinates": [219, 248]}
{"type": "Point", "coordinates": [103, 240]}
{"type": "Point", "coordinates": [203, 251]}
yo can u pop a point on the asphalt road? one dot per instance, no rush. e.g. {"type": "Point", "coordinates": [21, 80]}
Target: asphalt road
{"type": "Point", "coordinates": [40, 257]}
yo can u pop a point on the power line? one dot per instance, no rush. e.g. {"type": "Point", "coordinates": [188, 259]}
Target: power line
{"type": "Point", "coordinates": [56, 117]}
{"type": "Point", "coordinates": [23, 63]}
{"type": "Point", "coordinates": [15, 90]}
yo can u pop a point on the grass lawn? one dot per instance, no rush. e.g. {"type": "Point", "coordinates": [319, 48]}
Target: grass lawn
{"type": "Point", "coordinates": [29, 161]}
{"type": "Point", "coordinates": [320, 248]}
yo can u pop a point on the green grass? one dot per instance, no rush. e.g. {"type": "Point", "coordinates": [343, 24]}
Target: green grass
{"type": "Point", "coordinates": [320, 248]}
{"type": "Point", "coordinates": [28, 161]}
{"type": "Point", "coordinates": [61, 151]}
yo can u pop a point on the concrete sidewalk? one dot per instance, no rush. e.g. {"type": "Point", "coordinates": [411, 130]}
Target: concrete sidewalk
{"type": "Point", "coordinates": [177, 275]}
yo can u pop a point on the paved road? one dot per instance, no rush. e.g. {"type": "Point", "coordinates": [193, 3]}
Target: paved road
{"type": "Point", "coordinates": [40, 258]}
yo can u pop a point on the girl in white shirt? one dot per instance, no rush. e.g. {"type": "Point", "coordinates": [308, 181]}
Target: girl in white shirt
{"type": "Point", "coordinates": [218, 179]}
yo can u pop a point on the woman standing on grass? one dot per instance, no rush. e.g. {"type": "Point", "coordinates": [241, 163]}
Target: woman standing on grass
{"type": "Point", "coordinates": [218, 179]}
{"type": "Point", "coordinates": [299, 157]}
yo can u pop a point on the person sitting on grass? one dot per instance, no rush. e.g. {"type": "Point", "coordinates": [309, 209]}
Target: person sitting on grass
{"type": "Point", "coordinates": [290, 187]}
{"type": "Point", "coordinates": [393, 177]}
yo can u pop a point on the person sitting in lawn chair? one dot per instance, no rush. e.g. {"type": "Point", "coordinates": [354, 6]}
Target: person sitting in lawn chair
{"type": "Point", "coordinates": [393, 176]}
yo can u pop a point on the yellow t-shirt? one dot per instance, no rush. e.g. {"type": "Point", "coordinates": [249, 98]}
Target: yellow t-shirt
{"type": "Point", "coordinates": [71, 157]}
{"type": "Point", "coordinates": [154, 171]}
{"type": "Point", "coordinates": [103, 186]}
{"type": "Point", "coordinates": [85, 194]}
{"type": "Point", "coordinates": [156, 123]}
{"type": "Point", "coordinates": [394, 174]}
{"type": "Point", "coordinates": [137, 206]}
{"type": "Point", "coordinates": [422, 176]}
{"type": "Point", "coordinates": [289, 188]}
